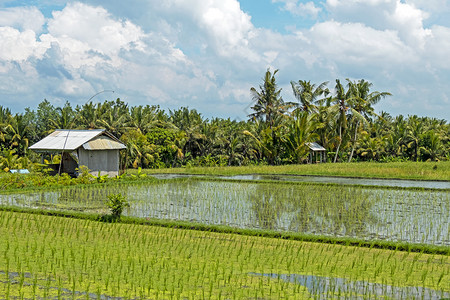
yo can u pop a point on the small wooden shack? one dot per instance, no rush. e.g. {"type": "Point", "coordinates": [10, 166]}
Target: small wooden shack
{"type": "Point", "coordinates": [96, 149]}
{"type": "Point", "coordinates": [317, 153]}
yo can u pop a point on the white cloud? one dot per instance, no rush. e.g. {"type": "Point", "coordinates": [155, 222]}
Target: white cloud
{"type": "Point", "coordinates": [19, 46]}
{"type": "Point", "coordinates": [409, 22]}
{"type": "Point", "coordinates": [206, 54]}
{"type": "Point", "coordinates": [22, 18]}
{"type": "Point", "coordinates": [394, 15]}
{"type": "Point", "coordinates": [72, 28]}
{"type": "Point", "coordinates": [431, 6]}
{"type": "Point", "coordinates": [358, 44]}
{"type": "Point", "coordinates": [438, 48]}
{"type": "Point", "coordinates": [308, 9]}
{"type": "Point", "coordinates": [224, 27]}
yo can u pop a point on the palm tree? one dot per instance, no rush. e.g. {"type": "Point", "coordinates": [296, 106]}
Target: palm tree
{"type": "Point", "coordinates": [433, 148]}
{"type": "Point", "coordinates": [325, 117]}
{"type": "Point", "coordinates": [115, 118]}
{"type": "Point", "coordinates": [307, 94]}
{"type": "Point", "coordinates": [63, 119]}
{"type": "Point", "coordinates": [5, 115]}
{"type": "Point", "coordinates": [139, 151]}
{"type": "Point", "coordinates": [17, 133]}
{"type": "Point", "coordinates": [190, 122]}
{"type": "Point", "coordinates": [268, 103]}
{"type": "Point", "coordinates": [340, 111]}
{"type": "Point", "coordinates": [414, 134]}
{"type": "Point", "coordinates": [270, 109]}
{"type": "Point", "coordinates": [86, 116]}
{"type": "Point", "coordinates": [300, 131]}
{"type": "Point", "coordinates": [361, 102]}
{"type": "Point", "coordinates": [371, 147]}
{"type": "Point", "coordinates": [143, 118]}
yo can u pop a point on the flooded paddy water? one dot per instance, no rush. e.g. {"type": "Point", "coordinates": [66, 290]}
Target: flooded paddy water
{"type": "Point", "coordinates": [340, 288]}
{"type": "Point", "coordinates": [400, 183]}
{"type": "Point", "coordinates": [404, 215]}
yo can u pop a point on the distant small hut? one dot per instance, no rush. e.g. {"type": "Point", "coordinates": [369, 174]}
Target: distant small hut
{"type": "Point", "coordinates": [96, 149]}
{"type": "Point", "coordinates": [317, 153]}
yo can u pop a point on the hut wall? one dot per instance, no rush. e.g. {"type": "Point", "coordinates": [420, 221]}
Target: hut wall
{"type": "Point", "coordinates": [69, 165]}
{"type": "Point", "coordinates": [105, 161]}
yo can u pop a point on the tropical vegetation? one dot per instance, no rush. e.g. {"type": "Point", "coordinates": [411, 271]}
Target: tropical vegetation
{"type": "Point", "coordinates": [277, 132]}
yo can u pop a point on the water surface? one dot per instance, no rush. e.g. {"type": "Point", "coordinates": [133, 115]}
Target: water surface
{"type": "Point", "coordinates": [372, 214]}
{"type": "Point", "coordinates": [328, 179]}
{"type": "Point", "coordinates": [331, 287]}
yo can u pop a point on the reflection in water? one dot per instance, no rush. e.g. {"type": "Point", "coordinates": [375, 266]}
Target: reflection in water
{"type": "Point", "coordinates": [429, 184]}
{"type": "Point", "coordinates": [324, 287]}
{"type": "Point", "coordinates": [266, 206]}
{"type": "Point", "coordinates": [397, 215]}
{"type": "Point", "coordinates": [313, 209]}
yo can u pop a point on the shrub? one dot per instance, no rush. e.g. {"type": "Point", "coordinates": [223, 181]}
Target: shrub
{"type": "Point", "coordinates": [117, 203]}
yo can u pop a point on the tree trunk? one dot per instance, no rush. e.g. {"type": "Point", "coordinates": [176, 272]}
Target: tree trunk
{"type": "Point", "coordinates": [340, 142]}
{"type": "Point", "coordinates": [354, 142]}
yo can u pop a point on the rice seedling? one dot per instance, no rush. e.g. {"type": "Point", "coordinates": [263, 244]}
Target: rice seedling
{"type": "Point", "coordinates": [53, 257]}
{"type": "Point", "coordinates": [403, 215]}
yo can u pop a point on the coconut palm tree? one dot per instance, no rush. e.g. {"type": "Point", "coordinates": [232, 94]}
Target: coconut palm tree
{"type": "Point", "coordinates": [415, 130]}
{"type": "Point", "coordinates": [17, 132]}
{"type": "Point", "coordinates": [300, 131]}
{"type": "Point", "coordinates": [361, 102]}
{"type": "Point", "coordinates": [64, 118]}
{"type": "Point", "coordinates": [340, 110]}
{"type": "Point", "coordinates": [5, 115]}
{"type": "Point", "coordinates": [269, 109]}
{"type": "Point", "coordinates": [143, 118]}
{"type": "Point", "coordinates": [269, 104]}
{"type": "Point", "coordinates": [115, 118]}
{"type": "Point", "coordinates": [191, 123]}
{"type": "Point", "coordinates": [308, 94]}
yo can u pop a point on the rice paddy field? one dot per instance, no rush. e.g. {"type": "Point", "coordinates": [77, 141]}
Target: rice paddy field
{"type": "Point", "coordinates": [403, 215]}
{"type": "Point", "coordinates": [47, 257]}
{"type": "Point", "coordinates": [50, 257]}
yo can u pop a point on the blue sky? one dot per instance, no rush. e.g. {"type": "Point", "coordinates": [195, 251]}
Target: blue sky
{"type": "Point", "coordinates": [207, 54]}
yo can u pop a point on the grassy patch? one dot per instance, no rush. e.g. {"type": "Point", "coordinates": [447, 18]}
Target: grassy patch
{"type": "Point", "coordinates": [398, 170]}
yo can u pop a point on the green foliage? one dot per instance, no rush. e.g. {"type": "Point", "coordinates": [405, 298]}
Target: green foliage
{"type": "Point", "coordinates": [101, 178]}
{"type": "Point", "coordinates": [342, 120]}
{"type": "Point", "coordinates": [83, 175]}
{"type": "Point", "coordinates": [117, 203]}
{"type": "Point", "coordinates": [139, 174]}
{"type": "Point", "coordinates": [51, 257]}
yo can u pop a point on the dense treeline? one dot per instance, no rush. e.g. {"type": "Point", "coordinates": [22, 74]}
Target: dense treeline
{"type": "Point", "coordinates": [277, 132]}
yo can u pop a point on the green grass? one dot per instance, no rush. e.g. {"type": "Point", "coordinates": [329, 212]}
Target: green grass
{"type": "Point", "coordinates": [396, 170]}
{"type": "Point", "coordinates": [48, 256]}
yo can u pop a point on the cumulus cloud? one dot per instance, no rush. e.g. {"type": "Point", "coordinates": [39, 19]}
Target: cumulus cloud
{"type": "Point", "coordinates": [72, 28]}
{"type": "Point", "coordinates": [438, 48]}
{"type": "Point", "coordinates": [358, 44]}
{"type": "Point", "coordinates": [81, 44]}
{"type": "Point", "coordinates": [206, 54]}
{"type": "Point", "coordinates": [308, 9]}
{"type": "Point", "coordinates": [19, 46]}
{"type": "Point", "coordinates": [223, 26]}
{"type": "Point", "coordinates": [393, 15]}
{"type": "Point", "coordinates": [22, 18]}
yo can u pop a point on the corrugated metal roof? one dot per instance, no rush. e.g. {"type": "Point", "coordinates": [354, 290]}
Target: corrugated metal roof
{"type": "Point", "coordinates": [315, 147]}
{"type": "Point", "coordinates": [64, 139]}
{"type": "Point", "coordinates": [103, 143]}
